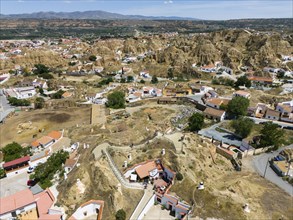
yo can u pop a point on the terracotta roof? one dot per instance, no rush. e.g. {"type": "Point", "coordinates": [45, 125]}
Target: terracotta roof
{"type": "Point", "coordinates": [209, 66]}
{"type": "Point", "coordinates": [160, 182]}
{"type": "Point", "coordinates": [286, 108]}
{"type": "Point", "coordinates": [16, 201]}
{"type": "Point", "coordinates": [70, 162]}
{"type": "Point", "coordinates": [258, 78]}
{"type": "Point", "coordinates": [44, 140]}
{"type": "Point", "coordinates": [55, 135]}
{"type": "Point", "coordinates": [67, 94]}
{"type": "Point", "coordinates": [214, 112]}
{"type": "Point", "coordinates": [173, 199]}
{"type": "Point", "coordinates": [243, 93]}
{"type": "Point", "coordinates": [44, 201]}
{"type": "Point", "coordinates": [143, 170]}
{"type": "Point", "coordinates": [272, 112]}
{"type": "Point", "coordinates": [35, 143]}
{"type": "Point", "coordinates": [215, 101]}
{"type": "Point", "coordinates": [16, 161]}
{"type": "Point", "coordinates": [50, 217]}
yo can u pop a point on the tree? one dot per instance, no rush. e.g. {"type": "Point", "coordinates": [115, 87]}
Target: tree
{"type": "Point", "coordinates": [92, 58]}
{"type": "Point", "coordinates": [41, 69]}
{"type": "Point", "coordinates": [271, 135]}
{"type": "Point", "coordinates": [58, 95]}
{"type": "Point", "coordinates": [18, 102]}
{"type": "Point", "coordinates": [196, 122]}
{"type": "Point", "coordinates": [120, 214]}
{"type": "Point", "coordinates": [39, 103]}
{"type": "Point", "coordinates": [41, 91]}
{"type": "Point", "coordinates": [44, 173]}
{"type": "Point", "coordinates": [170, 73]}
{"type": "Point", "coordinates": [142, 81]}
{"type": "Point", "coordinates": [116, 100]}
{"type": "Point", "coordinates": [242, 126]}
{"type": "Point", "coordinates": [179, 176]}
{"type": "Point", "coordinates": [130, 78]}
{"type": "Point", "coordinates": [154, 79]}
{"type": "Point", "coordinates": [238, 106]}
{"type": "Point", "coordinates": [243, 81]}
{"type": "Point", "coordinates": [13, 151]}
{"type": "Point", "coordinates": [2, 173]}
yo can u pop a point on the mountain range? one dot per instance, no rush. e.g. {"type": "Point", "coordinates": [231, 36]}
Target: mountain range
{"type": "Point", "coordinates": [89, 15]}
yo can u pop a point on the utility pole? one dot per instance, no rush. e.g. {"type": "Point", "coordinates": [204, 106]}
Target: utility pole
{"type": "Point", "coordinates": [266, 168]}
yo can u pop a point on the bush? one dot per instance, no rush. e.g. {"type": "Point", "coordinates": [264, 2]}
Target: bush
{"type": "Point", "coordinates": [242, 126]}
{"type": "Point", "coordinates": [58, 95]}
{"type": "Point", "coordinates": [13, 151]}
{"type": "Point", "coordinates": [120, 214]}
{"type": "Point", "coordinates": [142, 81]}
{"type": "Point", "coordinates": [154, 79]}
{"type": "Point", "coordinates": [39, 103]}
{"type": "Point", "coordinates": [18, 102]}
{"type": "Point", "coordinates": [116, 100]}
{"type": "Point", "coordinates": [45, 172]}
{"type": "Point", "coordinates": [195, 122]}
{"type": "Point", "coordinates": [92, 58]}
{"type": "Point", "coordinates": [179, 176]}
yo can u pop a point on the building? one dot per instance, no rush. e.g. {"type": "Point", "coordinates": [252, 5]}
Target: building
{"type": "Point", "coordinates": [214, 114]}
{"type": "Point", "coordinates": [217, 102]}
{"type": "Point", "coordinates": [48, 140]}
{"type": "Point", "coordinates": [208, 68]}
{"type": "Point", "coordinates": [272, 114]}
{"type": "Point", "coordinates": [26, 204]}
{"type": "Point", "coordinates": [256, 80]}
{"type": "Point", "coordinates": [16, 164]}
{"type": "Point", "coordinates": [92, 209]}
{"type": "Point", "coordinates": [177, 90]}
{"type": "Point", "coordinates": [21, 92]}
{"type": "Point", "coordinates": [242, 93]}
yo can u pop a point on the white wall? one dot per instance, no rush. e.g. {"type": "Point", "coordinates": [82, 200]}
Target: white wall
{"type": "Point", "coordinates": [148, 206]}
{"type": "Point", "coordinates": [26, 208]}
{"type": "Point", "coordinates": [90, 209]}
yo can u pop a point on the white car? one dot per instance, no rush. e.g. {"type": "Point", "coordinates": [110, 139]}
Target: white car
{"type": "Point", "coordinates": [30, 169]}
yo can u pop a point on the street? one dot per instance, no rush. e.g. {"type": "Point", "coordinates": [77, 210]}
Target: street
{"type": "Point", "coordinates": [260, 162]}
{"type": "Point", "coordinates": [226, 137]}
{"type": "Point", "coordinates": [5, 108]}
{"type": "Point", "coordinates": [282, 124]}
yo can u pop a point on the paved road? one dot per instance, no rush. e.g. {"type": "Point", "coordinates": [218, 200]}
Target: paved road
{"type": "Point", "coordinates": [5, 108]}
{"type": "Point", "coordinates": [260, 163]}
{"type": "Point", "coordinates": [226, 137]}
{"type": "Point", "coordinates": [283, 124]}
{"type": "Point", "coordinates": [13, 184]}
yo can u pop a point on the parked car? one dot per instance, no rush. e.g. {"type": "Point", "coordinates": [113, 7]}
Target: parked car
{"type": "Point", "coordinates": [30, 169]}
{"type": "Point", "coordinates": [31, 182]}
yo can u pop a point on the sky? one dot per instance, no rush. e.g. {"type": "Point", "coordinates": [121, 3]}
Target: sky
{"type": "Point", "coordinates": [208, 9]}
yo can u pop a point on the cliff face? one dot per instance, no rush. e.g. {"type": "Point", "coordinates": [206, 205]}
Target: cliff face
{"type": "Point", "coordinates": [235, 48]}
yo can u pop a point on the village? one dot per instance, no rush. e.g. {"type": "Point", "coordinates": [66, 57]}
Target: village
{"type": "Point", "coordinates": [144, 133]}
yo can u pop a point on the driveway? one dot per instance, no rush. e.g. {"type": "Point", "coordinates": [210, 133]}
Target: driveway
{"type": "Point", "coordinates": [260, 162]}
{"type": "Point", "coordinates": [280, 123]}
{"type": "Point", "coordinates": [5, 108]}
{"type": "Point", "coordinates": [13, 184]}
{"type": "Point", "coordinates": [226, 137]}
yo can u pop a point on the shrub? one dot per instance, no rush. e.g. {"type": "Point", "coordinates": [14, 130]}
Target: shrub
{"type": "Point", "coordinates": [179, 176]}
{"type": "Point", "coordinates": [120, 214]}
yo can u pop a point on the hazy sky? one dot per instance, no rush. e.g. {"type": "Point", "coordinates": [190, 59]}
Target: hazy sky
{"type": "Point", "coordinates": [208, 9]}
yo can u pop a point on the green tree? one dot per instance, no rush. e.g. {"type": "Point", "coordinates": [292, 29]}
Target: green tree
{"type": "Point", "coordinates": [92, 58]}
{"type": "Point", "coordinates": [2, 173]}
{"type": "Point", "coordinates": [243, 81]}
{"type": "Point", "coordinates": [58, 95]}
{"type": "Point", "coordinates": [116, 100]}
{"type": "Point", "coordinates": [41, 69]}
{"type": "Point", "coordinates": [179, 176]}
{"type": "Point", "coordinates": [271, 135]}
{"type": "Point", "coordinates": [130, 78]}
{"type": "Point", "coordinates": [18, 102]}
{"type": "Point", "coordinates": [238, 106]}
{"type": "Point", "coordinates": [41, 91]}
{"type": "Point", "coordinates": [170, 73]}
{"type": "Point", "coordinates": [120, 214]}
{"type": "Point", "coordinates": [142, 81]}
{"type": "Point", "coordinates": [44, 173]}
{"type": "Point", "coordinates": [154, 79]}
{"type": "Point", "coordinates": [12, 151]}
{"type": "Point", "coordinates": [39, 103]}
{"type": "Point", "coordinates": [196, 122]}
{"type": "Point", "coordinates": [242, 126]}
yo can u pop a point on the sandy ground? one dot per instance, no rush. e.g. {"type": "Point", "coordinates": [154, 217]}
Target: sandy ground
{"type": "Point", "coordinates": [40, 119]}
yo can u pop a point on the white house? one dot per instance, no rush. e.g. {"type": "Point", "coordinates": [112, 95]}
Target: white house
{"type": "Point", "coordinates": [21, 93]}
{"type": "Point", "coordinates": [242, 93]}
{"type": "Point", "coordinates": [92, 209]}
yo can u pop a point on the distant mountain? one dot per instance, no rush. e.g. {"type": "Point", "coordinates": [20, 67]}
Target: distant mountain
{"type": "Point", "coordinates": [89, 15]}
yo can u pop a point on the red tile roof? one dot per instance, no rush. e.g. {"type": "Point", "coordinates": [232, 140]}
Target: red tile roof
{"type": "Point", "coordinates": [16, 201]}
{"type": "Point", "coordinates": [55, 135]}
{"type": "Point", "coordinates": [44, 201]}
{"type": "Point", "coordinates": [143, 170]}
{"type": "Point", "coordinates": [17, 161]}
